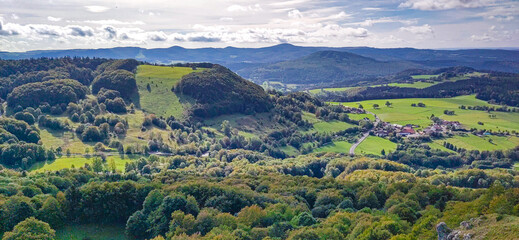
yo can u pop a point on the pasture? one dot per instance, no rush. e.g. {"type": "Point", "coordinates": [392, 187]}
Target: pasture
{"type": "Point", "coordinates": [158, 98]}
{"type": "Point", "coordinates": [321, 126]}
{"type": "Point", "coordinates": [485, 143]}
{"type": "Point", "coordinates": [335, 147]}
{"type": "Point", "coordinates": [402, 113]}
{"type": "Point", "coordinates": [374, 145]}
{"type": "Point", "coordinates": [80, 161]}
{"type": "Point", "coordinates": [424, 76]}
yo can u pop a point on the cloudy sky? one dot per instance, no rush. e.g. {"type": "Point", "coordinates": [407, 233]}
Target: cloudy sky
{"type": "Point", "coordinates": [61, 24]}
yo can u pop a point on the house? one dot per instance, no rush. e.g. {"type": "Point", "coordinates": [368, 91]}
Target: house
{"type": "Point", "coordinates": [406, 131]}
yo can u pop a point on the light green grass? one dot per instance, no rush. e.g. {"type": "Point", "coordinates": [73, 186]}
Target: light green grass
{"type": "Point", "coordinates": [424, 76]}
{"type": "Point", "coordinates": [325, 127]}
{"type": "Point", "coordinates": [78, 161]}
{"type": "Point", "coordinates": [332, 126]}
{"type": "Point", "coordinates": [336, 147]}
{"type": "Point", "coordinates": [402, 113]}
{"type": "Point", "coordinates": [439, 146]}
{"type": "Point", "coordinates": [289, 150]}
{"type": "Point", "coordinates": [472, 142]}
{"type": "Point", "coordinates": [319, 90]}
{"type": "Point", "coordinates": [161, 100]}
{"type": "Point", "coordinates": [374, 145]}
{"type": "Point", "coordinates": [361, 116]}
{"type": "Point", "coordinates": [92, 231]}
{"type": "Point", "coordinates": [516, 166]}
{"type": "Point", "coordinates": [418, 84]}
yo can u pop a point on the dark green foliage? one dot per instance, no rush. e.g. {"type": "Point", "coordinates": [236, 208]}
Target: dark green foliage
{"type": "Point", "coordinates": [53, 92]}
{"type": "Point", "coordinates": [25, 116]}
{"type": "Point", "coordinates": [22, 155]}
{"type": "Point", "coordinates": [15, 210]}
{"type": "Point", "coordinates": [122, 64]}
{"type": "Point", "coordinates": [119, 80]}
{"type": "Point", "coordinates": [220, 91]}
{"type": "Point", "coordinates": [31, 229]}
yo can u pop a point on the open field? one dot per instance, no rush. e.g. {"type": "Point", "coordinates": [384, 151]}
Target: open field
{"type": "Point", "coordinates": [159, 99]}
{"type": "Point", "coordinates": [374, 145]}
{"type": "Point", "coordinates": [336, 147]}
{"type": "Point", "coordinates": [361, 116]}
{"type": "Point", "coordinates": [424, 76]}
{"type": "Point", "coordinates": [79, 161]}
{"type": "Point", "coordinates": [248, 125]}
{"type": "Point", "coordinates": [419, 84]}
{"type": "Point", "coordinates": [330, 89]}
{"type": "Point", "coordinates": [91, 231]}
{"type": "Point", "coordinates": [322, 126]}
{"type": "Point", "coordinates": [402, 113]}
{"type": "Point", "coordinates": [486, 143]}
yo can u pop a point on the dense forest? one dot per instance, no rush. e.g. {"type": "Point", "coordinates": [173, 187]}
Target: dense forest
{"type": "Point", "coordinates": [220, 91]}
{"type": "Point", "coordinates": [205, 175]}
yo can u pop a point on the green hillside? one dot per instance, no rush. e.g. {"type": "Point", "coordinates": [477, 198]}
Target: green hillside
{"type": "Point", "coordinates": [403, 113]}
{"type": "Point", "coordinates": [158, 98]}
{"type": "Point", "coordinates": [328, 67]}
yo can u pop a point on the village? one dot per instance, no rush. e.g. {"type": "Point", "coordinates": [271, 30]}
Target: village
{"type": "Point", "coordinates": [438, 129]}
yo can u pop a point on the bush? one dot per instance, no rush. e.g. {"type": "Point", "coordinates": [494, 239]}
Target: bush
{"type": "Point", "coordinates": [118, 80]}
{"type": "Point", "coordinates": [53, 92]}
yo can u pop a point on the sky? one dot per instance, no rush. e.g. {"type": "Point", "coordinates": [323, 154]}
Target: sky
{"type": "Point", "coordinates": [61, 24]}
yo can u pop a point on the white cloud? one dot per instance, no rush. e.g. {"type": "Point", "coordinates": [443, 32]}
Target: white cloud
{"type": "Point", "coordinates": [241, 8]}
{"type": "Point", "coordinates": [226, 19]}
{"type": "Point", "coordinates": [295, 14]}
{"type": "Point", "coordinates": [371, 22]}
{"type": "Point", "coordinates": [372, 9]}
{"type": "Point", "coordinates": [482, 38]}
{"type": "Point", "coordinates": [418, 30]}
{"type": "Point", "coordinates": [53, 19]}
{"type": "Point", "coordinates": [14, 16]}
{"type": "Point", "coordinates": [97, 9]}
{"type": "Point", "coordinates": [114, 22]}
{"type": "Point", "coordinates": [445, 4]}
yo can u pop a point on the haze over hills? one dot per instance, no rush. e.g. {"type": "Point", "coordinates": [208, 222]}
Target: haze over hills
{"type": "Point", "coordinates": [326, 67]}
{"type": "Point", "coordinates": [241, 58]}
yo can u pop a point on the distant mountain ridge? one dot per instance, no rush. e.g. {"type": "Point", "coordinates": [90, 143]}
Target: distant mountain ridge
{"type": "Point", "coordinates": [326, 67]}
{"type": "Point", "coordinates": [241, 58]}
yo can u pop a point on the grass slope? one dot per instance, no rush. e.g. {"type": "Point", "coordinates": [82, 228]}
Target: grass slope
{"type": "Point", "coordinates": [374, 145]}
{"type": "Point", "coordinates": [336, 147]}
{"type": "Point", "coordinates": [321, 126]}
{"type": "Point", "coordinates": [161, 100]}
{"type": "Point", "coordinates": [402, 113]}
{"type": "Point", "coordinates": [472, 142]}
{"type": "Point", "coordinates": [77, 161]}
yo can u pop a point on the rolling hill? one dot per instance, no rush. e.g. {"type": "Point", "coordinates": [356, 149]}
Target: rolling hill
{"type": "Point", "coordinates": [240, 58]}
{"type": "Point", "coordinates": [325, 67]}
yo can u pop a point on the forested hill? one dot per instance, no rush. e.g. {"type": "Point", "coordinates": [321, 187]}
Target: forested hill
{"type": "Point", "coordinates": [219, 91]}
{"type": "Point", "coordinates": [325, 67]}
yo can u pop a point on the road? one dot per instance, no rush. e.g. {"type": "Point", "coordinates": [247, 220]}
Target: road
{"type": "Point", "coordinates": [365, 135]}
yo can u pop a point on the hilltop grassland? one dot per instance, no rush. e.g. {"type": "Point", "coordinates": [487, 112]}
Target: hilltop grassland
{"type": "Point", "coordinates": [155, 84]}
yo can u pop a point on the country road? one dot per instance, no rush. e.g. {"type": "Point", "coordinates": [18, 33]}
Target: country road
{"type": "Point", "coordinates": [365, 135]}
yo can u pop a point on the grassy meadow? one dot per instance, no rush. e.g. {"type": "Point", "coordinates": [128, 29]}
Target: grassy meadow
{"type": "Point", "coordinates": [159, 99]}
{"type": "Point", "coordinates": [402, 113]}
{"type": "Point", "coordinates": [80, 161]}
{"type": "Point", "coordinates": [336, 147]}
{"type": "Point", "coordinates": [485, 143]}
{"type": "Point", "coordinates": [374, 145]}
